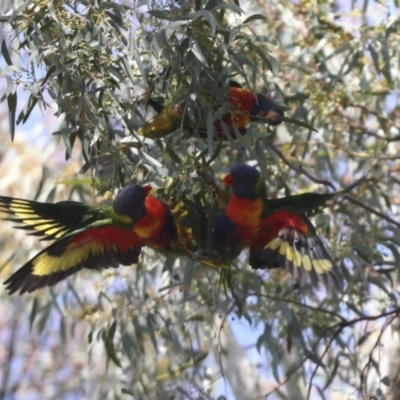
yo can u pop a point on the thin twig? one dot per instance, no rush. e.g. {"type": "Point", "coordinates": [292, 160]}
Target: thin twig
{"type": "Point", "coordinates": [365, 129]}
{"type": "Point", "coordinates": [371, 210]}
{"type": "Point", "coordinates": [345, 324]}
{"type": "Point", "coordinates": [300, 169]}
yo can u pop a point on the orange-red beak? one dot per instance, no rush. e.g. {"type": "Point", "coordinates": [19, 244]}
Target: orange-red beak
{"type": "Point", "coordinates": [228, 180]}
{"type": "Point", "coordinates": [147, 189]}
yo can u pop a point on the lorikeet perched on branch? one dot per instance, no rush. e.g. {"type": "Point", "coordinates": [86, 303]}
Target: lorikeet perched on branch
{"type": "Point", "coordinates": [238, 225]}
{"type": "Point", "coordinates": [247, 107]}
{"type": "Point", "coordinates": [277, 238]}
{"type": "Point", "coordinates": [88, 237]}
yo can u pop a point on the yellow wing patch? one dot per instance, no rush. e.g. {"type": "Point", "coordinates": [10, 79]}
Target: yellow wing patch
{"type": "Point", "coordinates": [283, 248]}
{"type": "Point", "coordinates": [30, 218]}
{"type": "Point", "coordinates": [297, 258]}
{"type": "Point", "coordinates": [294, 256]}
{"type": "Point", "coordinates": [322, 265]}
{"type": "Point", "coordinates": [307, 263]}
{"type": "Point", "coordinates": [46, 264]}
{"type": "Point", "coordinates": [274, 244]}
{"type": "Point", "coordinates": [290, 253]}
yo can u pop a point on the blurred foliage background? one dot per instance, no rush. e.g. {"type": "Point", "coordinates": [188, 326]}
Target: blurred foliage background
{"type": "Point", "coordinates": [76, 80]}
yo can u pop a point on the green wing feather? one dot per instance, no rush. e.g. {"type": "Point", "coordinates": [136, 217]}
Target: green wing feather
{"type": "Point", "coordinates": [307, 203]}
{"type": "Point", "coordinates": [310, 204]}
{"type": "Point", "coordinates": [53, 220]}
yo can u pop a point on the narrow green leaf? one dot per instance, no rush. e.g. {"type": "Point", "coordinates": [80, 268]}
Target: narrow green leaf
{"type": "Point", "coordinates": [63, 330]}
{"type": "Point", "coordinates": [52, 11]}
{"type": "Point", "coordinates": [299, 123]}
{"type": "Point", "coordinates": [355, 309]}
{"type": "Point", "coordinates": [254, 17]}
{"type": "Point", "coordinates": [210, 5]}
{"type": "Point", "coordinates": [110, 349]}
{"type": "Point", "coordinates": [111, 331]}
{"type": "Point", "coordinates": [128, 345]}
{"type": "Point", "coordinates": [139, 64]}
{"type": "Point", "coordinates": [127, 391]}
{"type": "Point", "coordinates": [216, 152]}
{"type": "Point", "coordinates": [268, 341]}
{"type": "Point", "coordinates": [16, 15]}
{"type": "Point", "coordinates": [9, 89]}
{"type": "Point", "coordinates": [77, 38]}
{"type": "Point", "coordinates": [115, 6]}
{"type": "Point", "coordinates": [5, 53]}
{"type": "Point", "coordinates": [151, 322]}
{"type": "Point", "coordinates": [50, 72]}
{"type": "Point", "coordinates": [375, 58]}
{"type": "Point", "coordinates": [195, 49]}
{"type": "Point", "coordinates": [45, 316]}
{"type": "Point", "coordinates": [35, 307]}
{"type": "Point", "coordinates": [229, 6]}
{"type": "Point", "coordinates": [198, 14]}
{"type": "Point", "coordinates": [381, 285]}
{"type": "Point", "coordinates": [396, 255]}
{"type": "Point", "coordinates": [173, 154]}
{"type": "Point", "coordinates": [171, 28]}
{"type": "Point", "coordinates": [161, 15]}
{"type": "Point", "coordinates": [26, 112]}
{"type": "Point", "coordinates": [386, 381]}
{"type": "Point", "coordinates": [12, 108]}
{"type": "Point", "coordinates": [212, 21]}
{"type": "Point", "coordinates": [196, 318]}
{"type": "Point", "coordinates": [386, 58]}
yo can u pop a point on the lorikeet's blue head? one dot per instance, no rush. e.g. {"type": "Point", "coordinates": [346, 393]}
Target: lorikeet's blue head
{"type": "Point", "coordinates": [131, 201]}
{"type": "Point", "coordinates": [246, 181]}
{"type": "Point", "coordinates": [264, 109]}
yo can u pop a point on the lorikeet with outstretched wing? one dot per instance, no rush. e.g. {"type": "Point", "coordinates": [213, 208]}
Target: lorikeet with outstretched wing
{"type": "Point", "coordinates": [88, 237]}
{"type": "Point", "coordinates": [247, 107]}
{"type": "Point", "coordinates": [283, 237]}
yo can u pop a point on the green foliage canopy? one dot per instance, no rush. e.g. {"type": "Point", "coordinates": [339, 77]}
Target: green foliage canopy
{"type": "Point", "coordinates": [99, 62]}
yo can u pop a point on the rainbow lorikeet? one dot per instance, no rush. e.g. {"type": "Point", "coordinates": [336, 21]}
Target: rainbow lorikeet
{"type": "Point", "coordinates": [88, 237]}
{"type": "Point", "coordinates": [247, 107]}
{"type": "Point", "coordinates": [281, 237]}
{"type": "Point", "coordinates": [238, 225]}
